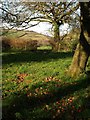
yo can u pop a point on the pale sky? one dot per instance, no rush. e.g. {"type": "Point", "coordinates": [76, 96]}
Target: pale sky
{"type": "Point", "coordinates": [45, 28]}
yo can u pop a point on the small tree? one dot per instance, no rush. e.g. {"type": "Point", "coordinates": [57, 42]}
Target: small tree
{"type": "Point", "coordinates": [56, 13]}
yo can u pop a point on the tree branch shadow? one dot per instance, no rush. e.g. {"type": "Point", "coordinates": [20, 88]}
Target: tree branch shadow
{"type": "Point", "coordinates": [35, 56]}
{"type": "Point", "coordinates": [20, 101]}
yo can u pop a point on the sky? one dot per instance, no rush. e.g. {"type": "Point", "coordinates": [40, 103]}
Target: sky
{"type": "Point", "coordinates": [45, 28]}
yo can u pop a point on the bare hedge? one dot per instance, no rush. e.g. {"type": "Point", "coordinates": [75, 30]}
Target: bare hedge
{"type": "Point", "coordinates": [18, 44]}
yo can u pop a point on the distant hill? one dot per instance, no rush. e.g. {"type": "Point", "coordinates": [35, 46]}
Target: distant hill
{"type": "Point", "coordinates": [26, 39]}
{"type": "Point", "coordinates": [26, 35]}
{"type": "Point", "coordinates": [20, 39]}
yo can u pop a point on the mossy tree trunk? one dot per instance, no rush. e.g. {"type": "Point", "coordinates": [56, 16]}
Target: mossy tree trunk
{"type": "Point", "coordinates": [56, 26]}
{"type": "Point", "coordinates": [79, 61]}
{"type": "Point", "coordinates": [82, 51]}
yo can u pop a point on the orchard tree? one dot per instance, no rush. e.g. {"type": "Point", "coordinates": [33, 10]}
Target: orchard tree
{"type": "Point", "coordinates": [20, 14]}
{"type": "Point", "coordinates": [82, 51]}
{"type": "Point", "coordinates": [56, 13]}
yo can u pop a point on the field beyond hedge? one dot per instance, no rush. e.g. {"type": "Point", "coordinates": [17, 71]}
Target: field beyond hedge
{"type": "Point", "coordinates": [36, 87]}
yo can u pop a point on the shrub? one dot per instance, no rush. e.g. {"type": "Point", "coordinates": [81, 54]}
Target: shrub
{"type": "Point", "coordinates": [52, 43]}
{"type": "Point", "coordinates": [32, 45]}
{"type": "Point", "coordinates": [6, 45]}
{"type": "Point", "coordinates": [18, 44]}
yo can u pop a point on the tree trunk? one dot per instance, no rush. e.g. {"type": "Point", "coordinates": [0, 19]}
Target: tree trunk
{"type": "Point", "coordinates": [82, 51]}
{"type": "Point", "coordinates": [79, 61]}
{"type": "Point", "coordinates": [56, 47]}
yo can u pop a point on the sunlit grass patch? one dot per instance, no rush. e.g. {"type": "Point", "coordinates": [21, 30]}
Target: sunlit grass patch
{"type": "Point", "coordinates": [44, 48]}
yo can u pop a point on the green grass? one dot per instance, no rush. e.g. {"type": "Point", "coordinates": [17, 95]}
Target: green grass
{"type": "Point", "coordinates": [44, 48]}
{"type": "Point", "coordinates": [35, 87]}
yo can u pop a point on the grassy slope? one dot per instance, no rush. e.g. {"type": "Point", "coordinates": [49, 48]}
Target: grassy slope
{"type": "Point", "coordinates": [31, 35]}
{"type": "Point", "coordinates": [25, 40]}
{"type": "Point", "coordinates": [35, 87]}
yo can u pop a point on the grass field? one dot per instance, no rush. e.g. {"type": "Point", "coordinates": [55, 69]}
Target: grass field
{"type": "Point", "coordinates": [35, 87]}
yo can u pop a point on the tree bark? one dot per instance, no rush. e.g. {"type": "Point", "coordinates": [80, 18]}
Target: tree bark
{"type": "Point", "coordinates": [82, 51]}
{"type": "Point", "coordinates": [79, 61]}
{"type": "Point", "coordinates": [56, 47]}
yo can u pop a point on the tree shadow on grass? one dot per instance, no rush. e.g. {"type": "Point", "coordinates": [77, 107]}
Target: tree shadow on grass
{"type": "Point", "coordinates": [21, 107]}
{"type": "Point", "coordinates": [35, 56]}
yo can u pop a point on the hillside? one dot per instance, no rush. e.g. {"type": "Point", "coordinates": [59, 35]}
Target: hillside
{"type": "Point", "coordinates": [26, 39]}
{"type": "Point", "coordinates": [26, 35]}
